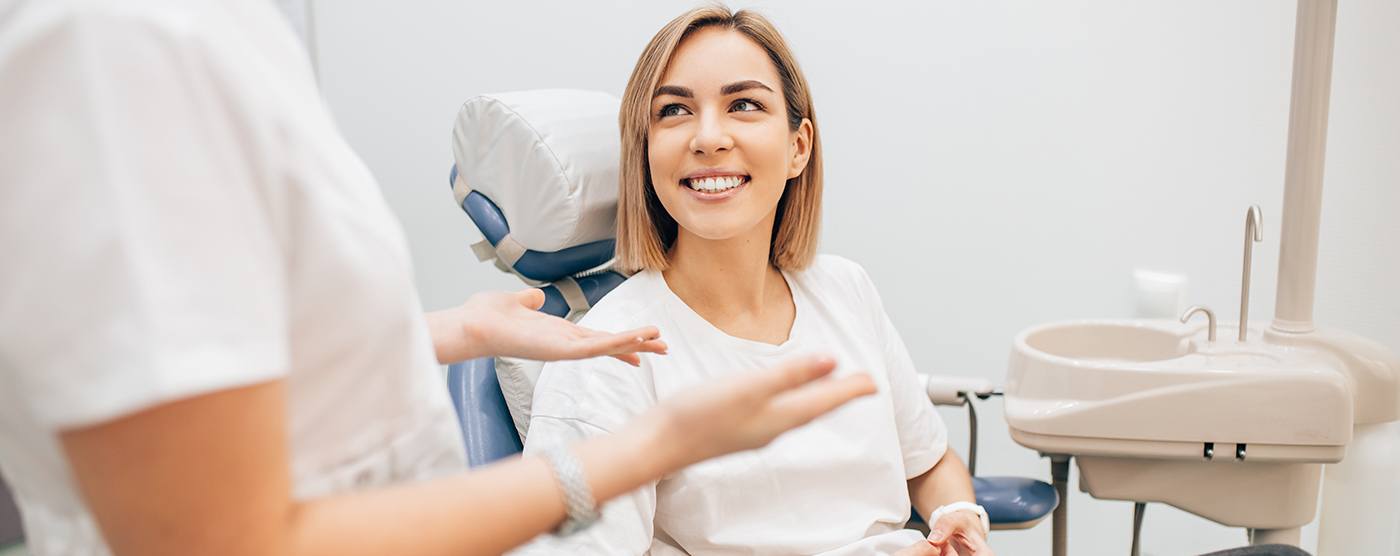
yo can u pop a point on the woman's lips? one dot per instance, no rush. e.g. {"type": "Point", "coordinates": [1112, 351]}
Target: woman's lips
{"type": "Point", "coordinates": [716, 196]}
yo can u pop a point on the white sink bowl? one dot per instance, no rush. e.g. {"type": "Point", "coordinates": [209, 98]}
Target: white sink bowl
{"type": "Point", "coordinates": [1152, 388]}
{"type": "Point", "coordinates": [1107, 342]}
{"type": "Point", "coordinates": [1152, 411]}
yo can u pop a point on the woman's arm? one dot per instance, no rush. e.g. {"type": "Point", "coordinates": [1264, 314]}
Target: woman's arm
{"type": "Point", "coordinates": [510, 324]}
{"type": "Point", "coordinates": [958, 532]}
{"type": "Point", "coordinates": [947, 482]}
{"type": "Point", "coordinates": [209, 475]}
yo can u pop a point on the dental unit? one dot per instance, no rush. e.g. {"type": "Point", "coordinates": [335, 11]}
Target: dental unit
{"type": "Point", "coordinates": [1244, 431]}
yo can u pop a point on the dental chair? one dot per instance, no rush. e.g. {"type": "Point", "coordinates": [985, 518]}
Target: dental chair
{"type": "Point", "coordinates": [536, 173]}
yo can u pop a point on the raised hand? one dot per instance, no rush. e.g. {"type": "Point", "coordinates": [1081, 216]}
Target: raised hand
{"type": "Point", "coordinates": [747, 411]}
{"type": "Point", "coordinates": [510, 324]}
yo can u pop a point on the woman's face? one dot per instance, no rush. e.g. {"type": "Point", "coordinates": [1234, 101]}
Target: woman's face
{"type": "Point", "coordinates": [719, 145]}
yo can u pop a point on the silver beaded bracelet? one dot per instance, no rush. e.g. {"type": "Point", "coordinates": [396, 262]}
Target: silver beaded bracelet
{"type": "Point", "coordinates": [578, 498]}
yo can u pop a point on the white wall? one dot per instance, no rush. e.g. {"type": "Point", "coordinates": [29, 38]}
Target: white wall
{"type": "Point", "coordinates": [993, 164]}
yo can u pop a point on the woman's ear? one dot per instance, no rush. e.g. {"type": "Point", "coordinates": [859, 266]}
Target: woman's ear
{"type": "Point", "coordinates": [801, 149]}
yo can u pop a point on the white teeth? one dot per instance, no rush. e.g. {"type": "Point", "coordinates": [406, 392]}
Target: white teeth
{"type": "Point", "coordinates": [715, 184]}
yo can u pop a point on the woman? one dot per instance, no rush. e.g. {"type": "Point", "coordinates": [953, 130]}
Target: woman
{"type": "Point", "coordinates": [719, 207]}
{"type": "Point", "coordinates": [209, 338]}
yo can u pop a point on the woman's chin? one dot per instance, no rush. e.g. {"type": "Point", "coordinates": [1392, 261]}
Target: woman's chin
{"type": "Point", "coordinates": [711, 230]}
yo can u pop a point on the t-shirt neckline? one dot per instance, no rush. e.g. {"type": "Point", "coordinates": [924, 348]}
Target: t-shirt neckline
{"type": "Point", "coordinates": [694, 321]}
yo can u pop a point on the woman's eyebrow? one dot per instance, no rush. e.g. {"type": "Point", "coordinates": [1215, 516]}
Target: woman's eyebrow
{"type": "Point", "coordinates": [743, 86]}
{"type": "Point", "coordinates": [738, 86]}
{"type": "Point", "coordinates": [674, 90]}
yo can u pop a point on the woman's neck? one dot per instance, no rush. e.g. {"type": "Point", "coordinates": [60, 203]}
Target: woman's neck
{"type": "Point", "coordinates": [731, 283]}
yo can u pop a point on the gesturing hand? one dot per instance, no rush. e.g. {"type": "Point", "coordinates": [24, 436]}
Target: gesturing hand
{"type": "Point", "coordinates": [747, 411]}
{"type": "Point", "coordinates": [510, 324]}
{"type": "Point", "coordinates": [959, 533]}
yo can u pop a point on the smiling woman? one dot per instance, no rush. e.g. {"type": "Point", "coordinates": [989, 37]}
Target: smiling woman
{"type": "Point", "coordinates": [720, 191]}
{"type": "Point", "coordinates": [710, 104]}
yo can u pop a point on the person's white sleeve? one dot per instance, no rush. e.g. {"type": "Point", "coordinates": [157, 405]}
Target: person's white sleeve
{"type": "Point", "coordinates": [576, 400]}
{"type": "Point", "coordinates": [923, 437]}
{"type": "Point", "coordinates": [140, 256]}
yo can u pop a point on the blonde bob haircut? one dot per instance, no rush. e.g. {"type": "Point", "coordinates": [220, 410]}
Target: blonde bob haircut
{"type": "Point", "coordinates": [645, 231]}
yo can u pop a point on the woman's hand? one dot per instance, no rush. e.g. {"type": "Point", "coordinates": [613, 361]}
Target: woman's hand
{"type": "Point", "coordinates": [510, 324]}
{"type": "Point", "coordinates": [921, 548]}
{"type": "Point", "coordinates": [959, 534]}
{"type": "Point", "coordinates": [747, 411]}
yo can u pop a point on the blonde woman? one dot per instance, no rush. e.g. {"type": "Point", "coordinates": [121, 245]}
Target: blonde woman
{"type": "Point", "coordinates": [720, 198]}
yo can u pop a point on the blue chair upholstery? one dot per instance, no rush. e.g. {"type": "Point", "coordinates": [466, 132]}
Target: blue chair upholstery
{"type": "Point", "coordinates": [1015, 502]}
{"type": "Point", "coordinates": [487, 429]}
{"type": "Point", "coordinates": [594, 287]}
{"type": "Point", "coordinates": [1011, 502]}
{"type": "Point", "coordinates": [535, 265]}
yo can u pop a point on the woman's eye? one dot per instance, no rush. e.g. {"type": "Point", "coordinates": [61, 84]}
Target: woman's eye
{"type": "Point", "coordinates": [746, 105]}
{"type": "Point", "coordinates": [672, 110]}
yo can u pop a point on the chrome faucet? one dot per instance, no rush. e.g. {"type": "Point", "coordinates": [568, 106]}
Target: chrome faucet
{"type": "Point", "coordinates": [1252, 234]}
{"type": "Point", "coordinates": [1210, 319]}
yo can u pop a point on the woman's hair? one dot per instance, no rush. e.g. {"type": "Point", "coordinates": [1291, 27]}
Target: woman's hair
{"type": "Point", "coordinates": [645, 231]}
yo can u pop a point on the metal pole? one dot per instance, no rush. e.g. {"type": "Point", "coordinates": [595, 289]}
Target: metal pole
{"type": "Point", "coordinates": [1059, 474]}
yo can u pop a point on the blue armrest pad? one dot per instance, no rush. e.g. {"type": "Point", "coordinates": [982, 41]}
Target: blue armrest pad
{"type": "Point", "coordinates": [1015, 499]}
{"type": "Point", "coordinates": [1011, 499]}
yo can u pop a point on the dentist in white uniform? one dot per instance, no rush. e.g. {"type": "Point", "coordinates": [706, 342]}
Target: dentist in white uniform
{"type": "Point", "coordinates": [210, 341]}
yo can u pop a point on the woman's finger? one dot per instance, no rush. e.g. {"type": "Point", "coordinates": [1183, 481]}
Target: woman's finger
{"type": "Point", "coordinates": [924, 548]}
{"type": "Point", "coordinates": [654, 346]}
{"type": "Point", "coordinates": [799, 406]}
{"type": "Point", "coordinates": [962, 546]}
{"type": "Point", "coordinates": [790, 374]}
{"type": "Point", "coordinates": [978, 544]}
{"type": "Point", "coordinates": [628, 358]}
{"type": "Point", "coordinates": [646, 333]}
{"type": "Point", "coordinates": [531, 298]}
{"type": "Point", "coordinates": [616, 344]}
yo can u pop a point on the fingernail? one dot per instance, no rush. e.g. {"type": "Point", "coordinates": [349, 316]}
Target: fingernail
{"type": "Point", "coordinates": [935, 536]}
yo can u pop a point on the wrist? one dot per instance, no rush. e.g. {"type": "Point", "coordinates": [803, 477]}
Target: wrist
{"type": "Point", "coordinates": [628, 458]}
{"type": "Point", "coordinates": [977, 513]}
{"type": "Point", "coordinates": [656, 443]}
{"type": "Point", "coordinates": [455, 337]}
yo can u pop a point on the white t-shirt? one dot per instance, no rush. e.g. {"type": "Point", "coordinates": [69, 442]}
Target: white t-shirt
{"type": "Point", "coordinates": [835, 486]}
{"type": "Point", "coordinates": [178, 216]}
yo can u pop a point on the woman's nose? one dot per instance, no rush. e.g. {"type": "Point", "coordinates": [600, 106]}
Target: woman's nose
{"type": "Point", "coordinates": [710, 136]}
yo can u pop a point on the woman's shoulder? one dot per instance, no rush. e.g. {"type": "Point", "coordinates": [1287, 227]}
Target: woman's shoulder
{"type": "Point", "coordinates": [629, 305]}
{"type": "Point", "coordinates": [603, 391]}
{"type": "Point", "coordinates": [835, 271]}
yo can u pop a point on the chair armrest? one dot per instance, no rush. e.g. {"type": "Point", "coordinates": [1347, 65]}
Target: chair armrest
{"type": "Point", "coordinates": [946, 390]}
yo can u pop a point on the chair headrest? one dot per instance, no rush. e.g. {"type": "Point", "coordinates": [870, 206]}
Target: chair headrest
{"type": "Point", "coordinates": [536, 171]}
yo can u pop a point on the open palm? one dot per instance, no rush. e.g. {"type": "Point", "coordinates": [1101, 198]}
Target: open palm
{"type": "Point", "coordinates": [510, 324]}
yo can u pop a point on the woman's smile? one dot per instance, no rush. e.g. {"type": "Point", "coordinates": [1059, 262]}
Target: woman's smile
{"type": "Point", "coordinates": [714, 185]}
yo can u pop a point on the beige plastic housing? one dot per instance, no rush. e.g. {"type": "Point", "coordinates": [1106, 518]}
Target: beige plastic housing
{"type": "Point", "coordinates": [1150, 388]}
{"type": "Point", "coordinates": [1154, 411]}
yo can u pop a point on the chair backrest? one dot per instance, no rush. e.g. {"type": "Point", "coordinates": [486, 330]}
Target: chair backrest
{"type": "Point", "coordinates": [536, 174]}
